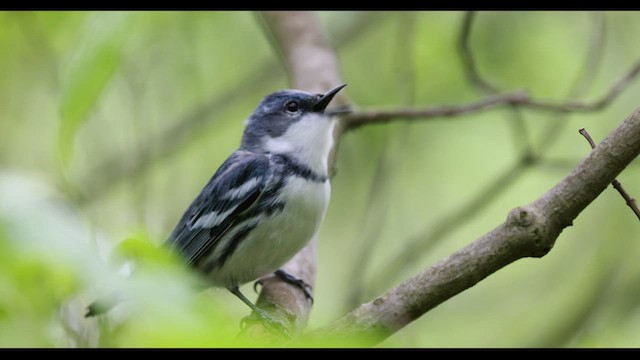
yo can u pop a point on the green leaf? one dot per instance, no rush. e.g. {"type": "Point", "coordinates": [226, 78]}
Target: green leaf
{"type": "Point", "coordinates": [95, 60]}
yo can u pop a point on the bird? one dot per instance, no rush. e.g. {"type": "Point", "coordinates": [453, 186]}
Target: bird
{"type": "Point", "coordinates": [267, 199]}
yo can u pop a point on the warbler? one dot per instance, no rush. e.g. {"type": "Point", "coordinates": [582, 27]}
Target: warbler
{"type": "Point", "coordinates": [268, 198]}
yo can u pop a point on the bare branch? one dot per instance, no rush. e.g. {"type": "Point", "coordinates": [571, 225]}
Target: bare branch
{"type": "Point", "coordinates": [631, 202]}
{"type": "Point", "coordinates": [468, 58]}
{"type": "Point", "coordinates": [586, 135]}
{"type": "Point", "coordinates": [516, 99]}
{"type": "Point", "coordinates": [529, 231]}
{"type": "Point", "coordinates": [520, 98]}
{"type": "Point", "coordinates": [581, 106]}
{"type": "Point", "coordinates": [312, 65]}
{"type": "Point", "coordinates": [357, 119]}
{"type": "Point", "coordinates": [519, 129]}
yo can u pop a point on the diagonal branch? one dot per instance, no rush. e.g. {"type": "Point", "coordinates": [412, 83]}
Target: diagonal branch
{"type": "Point", "coordinates": [529, 231]}
{"type": "Point", "coordinates": [580, 106]}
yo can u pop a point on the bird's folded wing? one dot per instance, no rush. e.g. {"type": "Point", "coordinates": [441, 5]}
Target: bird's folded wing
{"type": "Point", "coordinates": [232, 190]}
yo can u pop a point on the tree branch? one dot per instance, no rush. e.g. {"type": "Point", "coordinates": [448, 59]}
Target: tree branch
{"type": "Point", "coordinates": [601, 103]}
{"type": "Point", "coordinates": [369, 117]}
{"type": "Point", "coordinates": [312, 65]}
{"type": "Point", "coordinates": [468, 58]}
{"type": "Point", "coordinates": [515, 100]}
{"type": "Point", "coordinates": [520, 98]}
{"type": "Point", "coordinates": [519, 129]}
{"type": "Point", "coordinates": [529, 231]}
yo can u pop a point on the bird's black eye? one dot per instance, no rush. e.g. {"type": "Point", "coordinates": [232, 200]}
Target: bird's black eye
{"type": "Point", "coordinates": [291, 106]}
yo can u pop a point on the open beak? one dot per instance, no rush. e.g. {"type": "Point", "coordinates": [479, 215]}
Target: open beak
{"type": "Point", "coordinates": [326, 98]}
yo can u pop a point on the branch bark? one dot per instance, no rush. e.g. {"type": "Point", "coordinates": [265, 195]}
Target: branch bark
{"type": "Point", "coordinates": [529, 231]}
{"type": "Point", "coordinates": [312, 66]}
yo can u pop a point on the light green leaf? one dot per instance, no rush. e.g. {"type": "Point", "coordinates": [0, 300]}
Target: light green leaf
{"type": "Point", "coordinates": [96, 58]}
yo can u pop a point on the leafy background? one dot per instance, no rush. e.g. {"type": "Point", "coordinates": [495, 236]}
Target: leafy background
{"type": "Point", "coordinates": [113, 121]}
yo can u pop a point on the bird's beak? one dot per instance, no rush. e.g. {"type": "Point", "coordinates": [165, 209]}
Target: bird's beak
{"type": "Point", "coordinates": [326, 98]}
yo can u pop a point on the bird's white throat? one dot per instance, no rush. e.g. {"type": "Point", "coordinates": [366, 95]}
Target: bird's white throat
{"type": "Point", "coordinates": [309, 140]}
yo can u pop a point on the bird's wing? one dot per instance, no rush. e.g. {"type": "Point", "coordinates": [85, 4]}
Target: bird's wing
{"type": "Point", "coordinates": [230, 193]}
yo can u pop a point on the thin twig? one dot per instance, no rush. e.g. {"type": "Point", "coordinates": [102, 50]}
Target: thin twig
{"type": "Point", "coordinates": [581, 106]}
{"type": "Point", "coordinates": [520, 98]}
{"type": "Point", "coordinates": [517, 99]}
{"type": "Point", "coordinates": [631, 202]}
{"type": "Point", "coordinates": [368, 117]}
{"type": "Point", "coordinates": [519, 129]}
{"type": "Point", "coordinates": [468, 58]}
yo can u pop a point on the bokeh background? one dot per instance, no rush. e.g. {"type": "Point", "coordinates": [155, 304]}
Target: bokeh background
{"type": "Point", "coordinates": [111, 122]}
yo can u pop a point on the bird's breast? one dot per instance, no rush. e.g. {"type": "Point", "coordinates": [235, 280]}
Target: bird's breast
{"type": "Point", "coordinates": [306, 197]}
{"type": "Point", "coordinates": [279, 235]}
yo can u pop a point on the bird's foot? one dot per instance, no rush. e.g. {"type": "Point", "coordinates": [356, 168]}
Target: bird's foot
{"type": "Point", "coordinates": [292, 280]}
{"type": "Point", "coordinates": [299, 283]}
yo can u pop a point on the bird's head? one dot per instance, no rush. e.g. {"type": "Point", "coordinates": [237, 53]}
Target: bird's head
{"type": "Point", "coordinates": [292, 122]}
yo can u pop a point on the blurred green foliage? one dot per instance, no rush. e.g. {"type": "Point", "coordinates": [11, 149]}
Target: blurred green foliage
{"type": "Point", "coordinates": [90, 68]}
{"type": "Point", "coordinates": [112, 122]}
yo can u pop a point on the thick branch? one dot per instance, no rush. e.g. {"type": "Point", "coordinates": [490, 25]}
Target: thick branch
{"type": "Point", "coordinates": [529, 231]}
{"type": "Point", "coordinates": [312, 66]}
{"type": "Point", "coordinates": [309, 59]}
